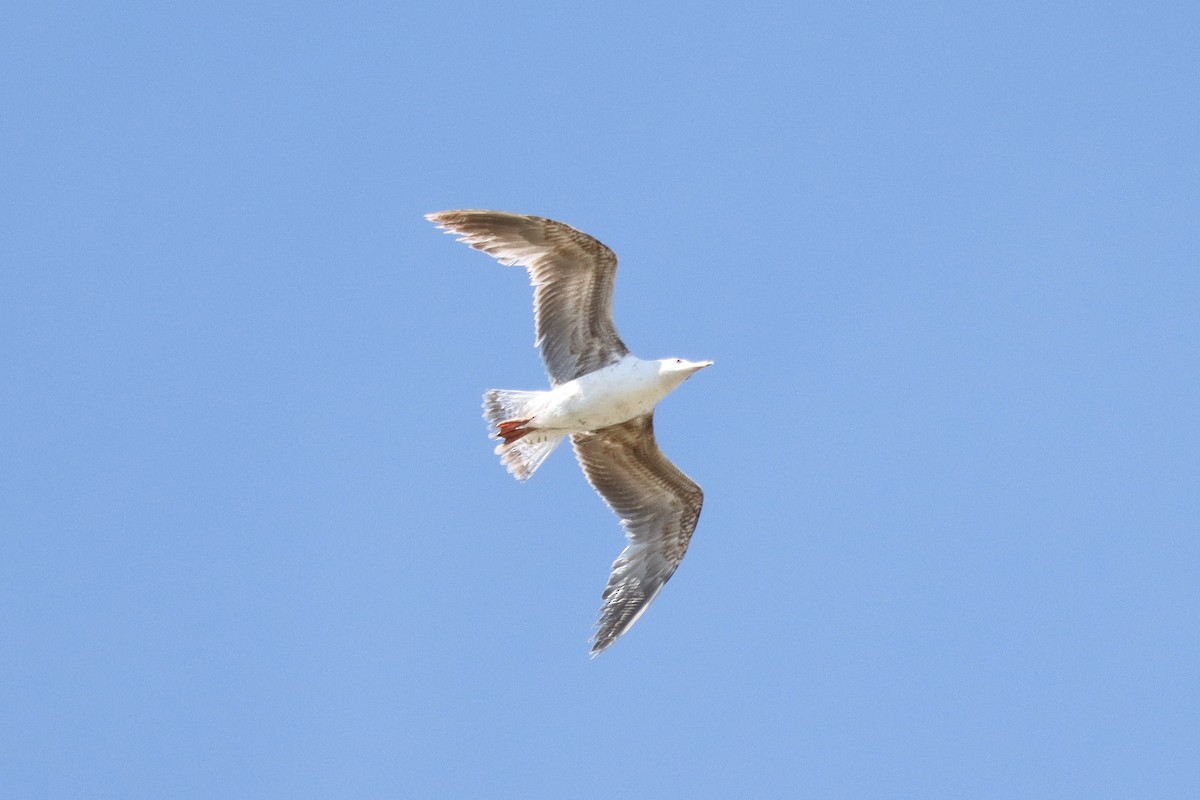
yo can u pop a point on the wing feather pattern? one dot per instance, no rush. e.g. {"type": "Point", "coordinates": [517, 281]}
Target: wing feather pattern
{"type": "Point", "coordinates": [659, 507]}
{"type": "Point", "coordinates": [572, 275]}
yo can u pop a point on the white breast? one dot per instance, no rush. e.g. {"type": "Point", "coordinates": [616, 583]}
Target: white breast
{"type": "Point", "coordinates": [609, 396]}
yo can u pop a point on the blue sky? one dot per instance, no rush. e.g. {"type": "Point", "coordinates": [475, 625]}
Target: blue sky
{"type": "Point", "coordinates": [945, 256]}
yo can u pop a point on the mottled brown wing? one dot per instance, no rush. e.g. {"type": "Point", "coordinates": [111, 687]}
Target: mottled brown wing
{"type": "Point", "coordinates": [572, 275]}
{"type": "Point", "coordinates": [658, 506]}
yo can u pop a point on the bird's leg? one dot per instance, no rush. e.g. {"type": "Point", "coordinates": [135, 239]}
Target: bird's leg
{"type": "Point", "coordinates": [512, 429]}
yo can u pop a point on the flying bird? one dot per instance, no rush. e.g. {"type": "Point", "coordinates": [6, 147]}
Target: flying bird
{"type": "Point", "coordinates": [601, 395]}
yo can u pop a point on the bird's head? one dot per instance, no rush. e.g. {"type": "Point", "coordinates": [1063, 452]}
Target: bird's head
{"type": "Point", "coordinates": [680, 368]}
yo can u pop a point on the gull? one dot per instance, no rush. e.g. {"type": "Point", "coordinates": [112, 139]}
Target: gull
{"type": "Point", "coordinates": [601, 396]}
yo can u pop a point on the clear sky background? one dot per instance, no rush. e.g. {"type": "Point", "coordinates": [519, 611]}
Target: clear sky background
{"type": "Point", "coordinates": [946, 257]}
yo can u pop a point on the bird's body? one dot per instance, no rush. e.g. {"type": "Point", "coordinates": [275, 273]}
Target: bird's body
{"type": "Point", "coordinates": [609, 396]}
{"type": "Point", "coordinates": [602, 396]}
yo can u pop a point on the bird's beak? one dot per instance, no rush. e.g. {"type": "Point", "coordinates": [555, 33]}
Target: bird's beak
{"type": "Point", "coordinates": [699, 365]}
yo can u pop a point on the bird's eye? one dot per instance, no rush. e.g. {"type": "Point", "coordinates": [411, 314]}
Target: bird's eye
{"type": "Point", "coordinates": [679, 361]}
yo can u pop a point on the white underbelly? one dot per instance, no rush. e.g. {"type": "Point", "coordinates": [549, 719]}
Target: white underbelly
{"type": "Point", "coordinates": [600, 400]}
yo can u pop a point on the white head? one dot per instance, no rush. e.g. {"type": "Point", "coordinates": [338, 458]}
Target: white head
{"type": "Point", "coordinates": [680, 369]}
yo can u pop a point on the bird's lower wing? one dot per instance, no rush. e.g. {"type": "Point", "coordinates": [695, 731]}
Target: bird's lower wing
{"type": "Point", "coordinates": [659, 507]}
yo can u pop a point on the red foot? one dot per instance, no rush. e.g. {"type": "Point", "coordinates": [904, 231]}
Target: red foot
{"type": "Point", "coordinates": [511, 429]}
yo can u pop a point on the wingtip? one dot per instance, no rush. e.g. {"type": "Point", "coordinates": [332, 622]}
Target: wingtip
{"type": "Point", "coordinates": [606, 635]}
{"type": "Point", "coordinates": [452, 220]}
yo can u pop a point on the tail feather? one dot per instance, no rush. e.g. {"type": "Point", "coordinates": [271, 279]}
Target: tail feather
{"type": "Point", "coordinates": [523, 449]}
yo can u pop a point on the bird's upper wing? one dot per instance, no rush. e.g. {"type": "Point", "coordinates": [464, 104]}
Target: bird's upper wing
{"type": "Point", "coordinates": [658, 506]}
{"type": "Point", "coordinates": [572, 275]}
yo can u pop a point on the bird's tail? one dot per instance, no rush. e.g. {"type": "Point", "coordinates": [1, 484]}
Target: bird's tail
{"type": "Point", "coordinates": [522, 449]}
